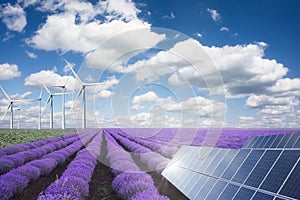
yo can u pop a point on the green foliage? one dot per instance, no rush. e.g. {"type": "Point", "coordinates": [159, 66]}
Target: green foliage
{"type": "Point", "coordinates": [12, 137]}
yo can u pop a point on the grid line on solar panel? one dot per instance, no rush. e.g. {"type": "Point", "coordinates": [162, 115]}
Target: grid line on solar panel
{"type": "Point", "coordinates": [216, 190]}
{"type": "Point", "coordinates": [243, 194]}
{"type": "Point", "coordinates": [247, 166]}
{"type": "Point", "coordinates": [284, 141]}
{"type": "Point", "coordinates": [292, 141]}
{"type": "Point", "coordinates": [269, 138]}
{"type": "Point", "coordinates": [270, 141]}
{"type": "Point", "coordinates": [258, 141]}
{"type": "Point", "coordinates": [261, 196]}
{"type": "Point", "coordinates": [280, 170]}
{"type": "Point", "coordinates": [229, 191]}
{"type": "Point", "coordinates": [297, 143]}
{"type": "Point", "coordinates": [277, 141]}
{"type": "Point", "coordinates": [206, 188]}
{"type": "Point", "coordinates": [263, 141]}
{"type": "Point", "coordinates": [225, 162]}
{"type": "Point", "coordinates": [235, 164]}
{"type": "Point", "coordinates": [193, 182]}
{"type": "Point", "coordinates": [194, 189]}
{"type": "Point", "coordinates": [190, 158]}
{"type": "Point", "coordinates": [290, 187]}
{"type": "Point", "coordinates": [208, 159]}
{"type": "Point", "coordinates": [262, 168]}
{"type": "Point", "coordinates": [185, 180]}
{"type": "Point", "coordinates": [218, 158]}
{"type": "Point", "coordinates": [250, 142]}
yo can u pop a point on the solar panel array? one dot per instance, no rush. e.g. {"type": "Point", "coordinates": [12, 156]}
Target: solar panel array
{"type": "Point", "coordinates": [266, 168]}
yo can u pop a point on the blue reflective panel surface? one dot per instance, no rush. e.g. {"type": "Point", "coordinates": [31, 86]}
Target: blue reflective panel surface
{"type": "Point", "coordinates": [284, 141]}
{"type": "Point", "coordinates": [262, 196]}
{"type": "Point", "coordinates": [263, 142]}
{"type": "Point", "coordinates": [192, 183]}
{"type": "Point", "coordinates": [277, 141]}
{"type": "Point", "coordinates": [270, 141]}
{"type": "Point", "coordinates": [216, 161]}
{"type": "Point", "coordinates": [225, 162]}
{"type": "Point", "coordinates": [185, 179]}
{"type": "Point", "coordinates": [247, 166]}
{"type": "Point", "coordinates": [206, 188]}
{"type": "Point", "coordinates": [252, 142]}
{"type": "Point", "coordinates": [297, 144]}
{"type": "Point", "coordinates": [291, 187]}
{"type": "Point", "coordinates": [280, 170]}
{"type": "Point", "coordinates": [244, 194]}
{"type": "Point", "coordinates": [216, 191]}
{"type": "Point", "coordinates": [292, 141]}
{"type": "Point", "coordinates": [235, 164]}
{"type": "Point", "coordinates": [229, 192]}
{"type": "Point", "coordinates": [257, 142]}
{"type": "Point", "coordinates": [207, 159]}
{"type": "Point", "coordinates": [262, 168]}
{"type": "Point", "coordinates": [194, 191]}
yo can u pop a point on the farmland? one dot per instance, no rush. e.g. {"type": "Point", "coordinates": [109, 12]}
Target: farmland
{"type": "Point", "coordinates": [102, 163]}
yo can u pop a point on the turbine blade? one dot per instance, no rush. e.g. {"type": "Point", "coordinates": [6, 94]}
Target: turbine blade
{"type": "Point", "coordinates": [78, 95]}
{"type": "Point", "coordinates": [8, 107]}
{"type": "Point", "coordinates": [93, 84]}
{"type": "Point", "coordinates": [5, 93]}
{"type": "Point", "coordinates": [74, 73]}
{"type": "Point", "coordinates": [49, 98]}
{"type": "Point", "coordinates": [46, 89]}
{"type": "Point", "coordinates": [41, 93]}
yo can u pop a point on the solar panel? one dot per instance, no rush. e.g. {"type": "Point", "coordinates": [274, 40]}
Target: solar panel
{"type": "Point", "coordinates": [270, 169]}
{"type": "Point", "coordinates": [280, 170]}
{"type": "Point", "coordinates": [262, 168]}
{"type": "Point", "coordinates": [291, 186]}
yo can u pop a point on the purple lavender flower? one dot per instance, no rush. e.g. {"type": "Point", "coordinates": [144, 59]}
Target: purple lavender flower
{"type": "Point", "coordinates": [46, 165]}
{"type": "Point", "coordinates": [5, 165]}
{"type": "Point", "coordinates": [28, 171]}
{"type": "Point", "coordinates": [11, 184]}
{"type": "Point", "coordinates": [149, 195]}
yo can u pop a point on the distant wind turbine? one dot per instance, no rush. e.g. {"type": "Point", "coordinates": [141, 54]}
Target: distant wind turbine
{"type": "Point", "coordinates": [40, 109]}
{"type": "Point", "coordinates": [11, 107]}
{"type": "Point", "coordinates": [50, 99]}
{"type": "Point", "coordinates": [82, 91]}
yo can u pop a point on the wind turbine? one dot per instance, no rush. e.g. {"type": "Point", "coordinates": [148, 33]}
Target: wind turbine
{"type": "Point", "coordinates": [11, 107]}
{"type": "Point", "coordinates": [82, 91]}
{"type": "Point", "coordinates": [40, 109]}
{"type": "Point", "coordinates": [50, 99]}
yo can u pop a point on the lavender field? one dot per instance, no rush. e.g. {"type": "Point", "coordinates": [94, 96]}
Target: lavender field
{"type": "Point", "coordinates": [106, 163]}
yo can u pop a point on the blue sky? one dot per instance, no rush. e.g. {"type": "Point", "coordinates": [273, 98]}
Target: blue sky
{"type": "Point", "coordinates": [247, 77]}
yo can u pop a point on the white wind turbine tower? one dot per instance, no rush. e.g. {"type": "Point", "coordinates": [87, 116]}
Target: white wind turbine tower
{"type": "Point", "coordinates": [82, 91]}
{"type": "Point", "coordinates": [40, 109]}
{"type": "Point", "coordinates": [63, 117]}
{"type": "Point", "coordinates": [50, 99]}
{"type": "Point", "coordinates": [11, 107]}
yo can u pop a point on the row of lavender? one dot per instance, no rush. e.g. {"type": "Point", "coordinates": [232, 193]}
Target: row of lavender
{"type": "Point", "coordinates": [130, 181]}
{"type": "Point", "coordinates": [16, 180]}
{"type": "Point", "coordinates": [74, 182]}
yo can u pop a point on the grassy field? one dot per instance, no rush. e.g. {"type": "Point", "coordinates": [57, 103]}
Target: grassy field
{"type": "Point", "coordinates": [11, 137]}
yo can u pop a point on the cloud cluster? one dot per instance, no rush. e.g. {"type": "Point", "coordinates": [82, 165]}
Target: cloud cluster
{"type": "Point", "coordinates": [13, 16]}
{"type": "Point", "coordinates": [9, 71]}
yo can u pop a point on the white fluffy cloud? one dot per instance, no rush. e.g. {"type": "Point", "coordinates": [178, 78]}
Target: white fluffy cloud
{"type": "Point", "coordinates": [31, 55]}
{"type": "Point", "coordinates": [214, 14]}
{"type": "Point", "coordinates": [76, 27]}
{"type": "Point", "coordinates": [197, 106]}
{"type": "Point", "coordinates": [103, 94]}
{"type": "Point", "coordinates": [13, 16]}
{"type": "Point", "coordinates": [260, 101]}
{"type": "Point", "coordinates": [9, 71]}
